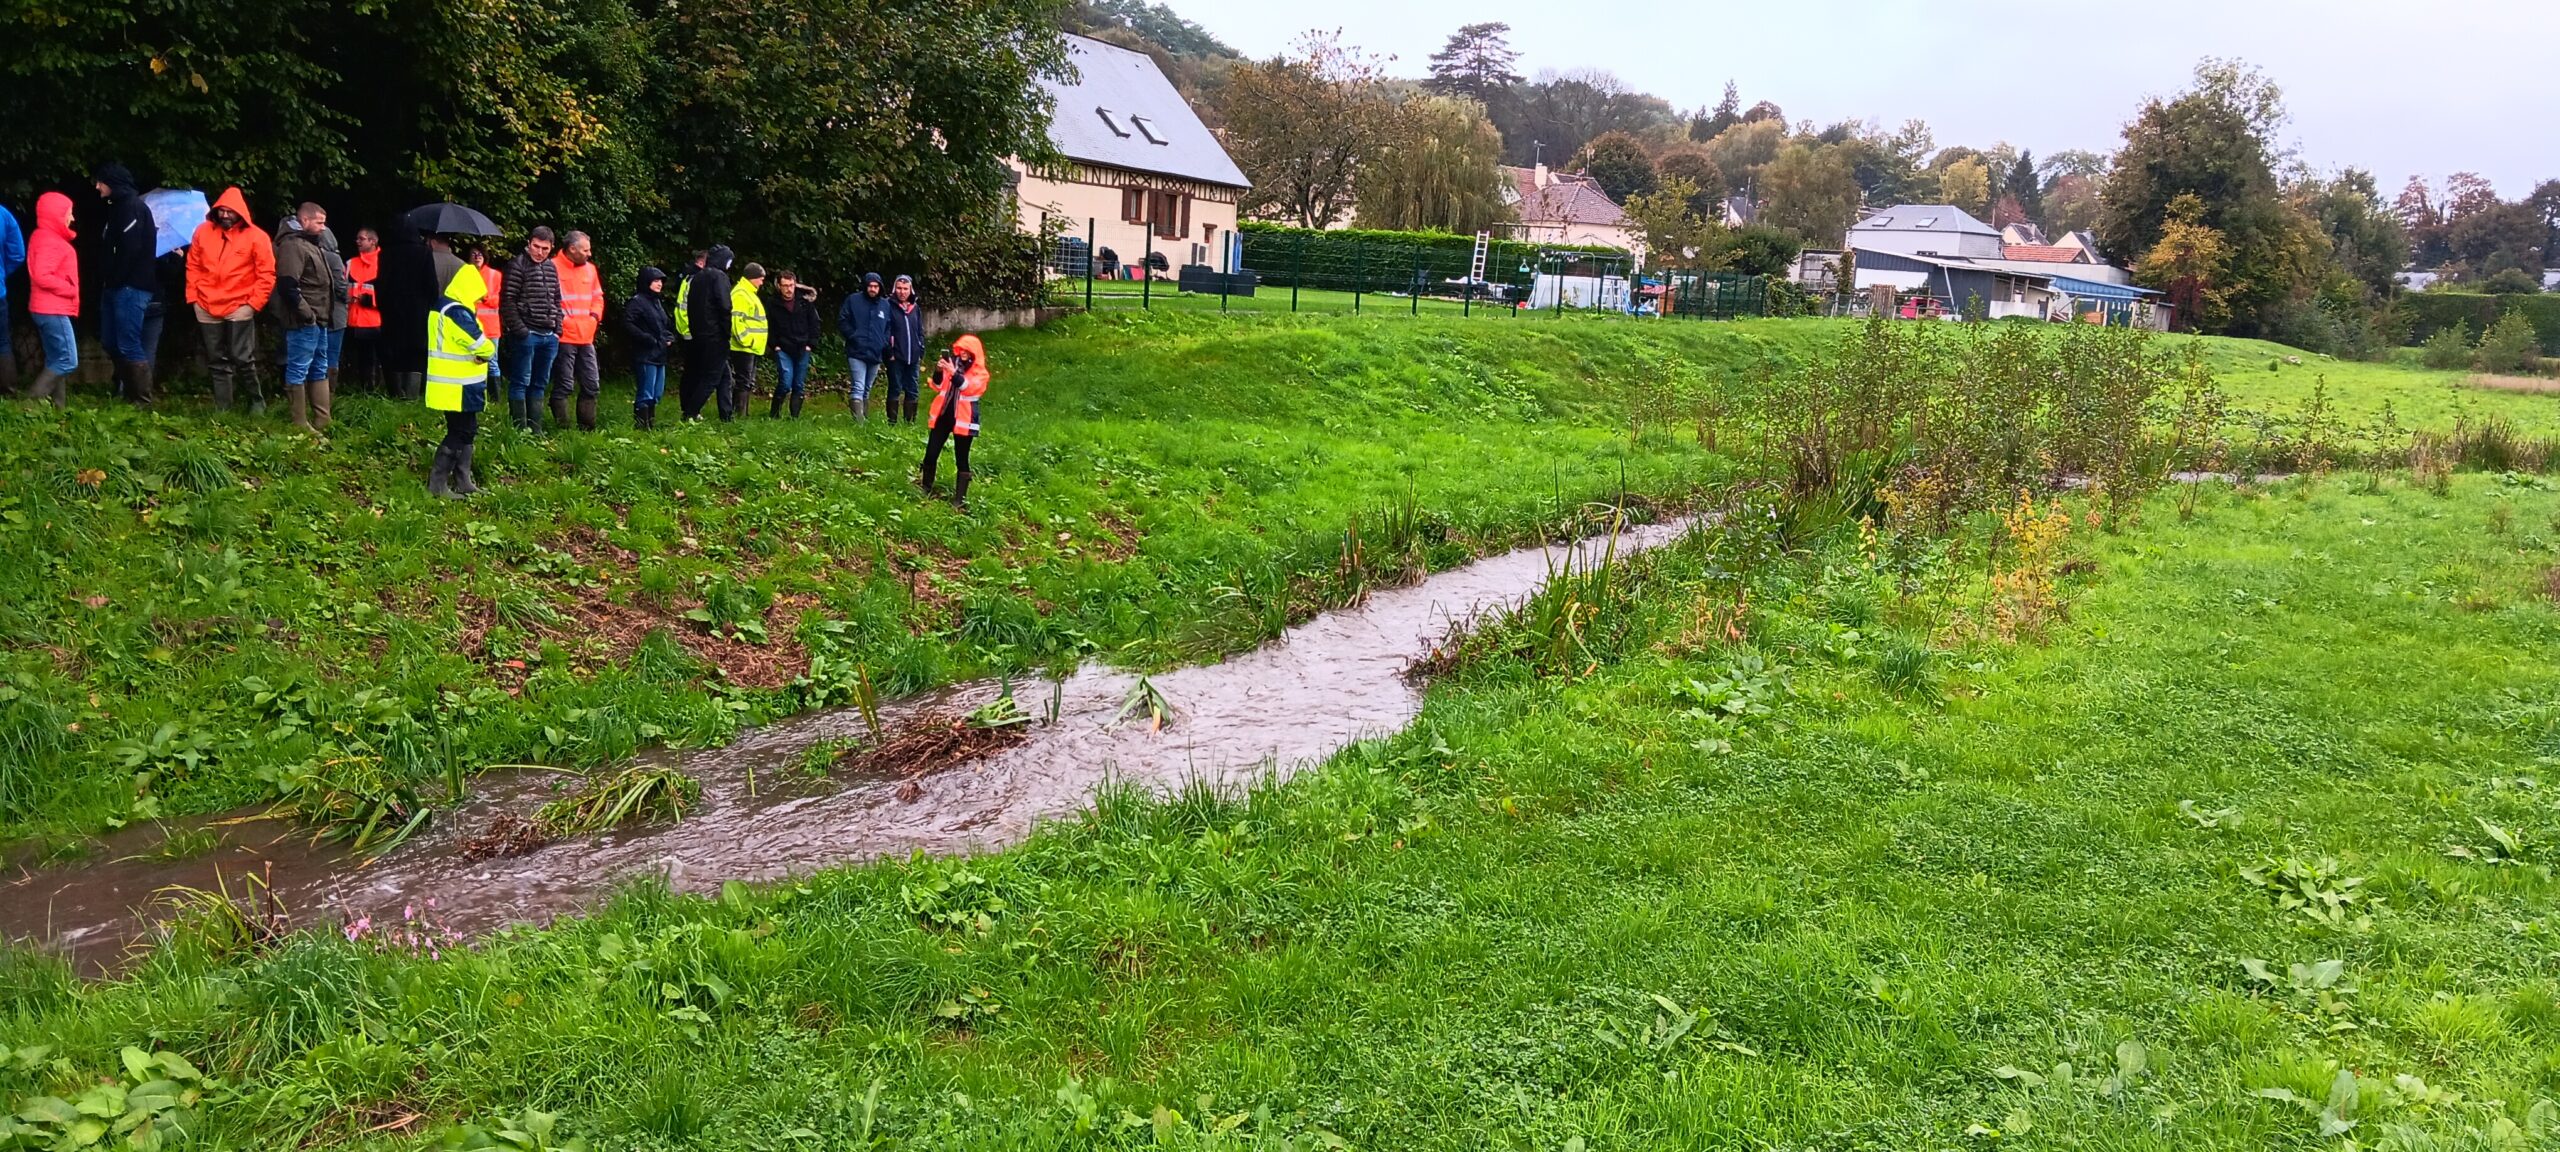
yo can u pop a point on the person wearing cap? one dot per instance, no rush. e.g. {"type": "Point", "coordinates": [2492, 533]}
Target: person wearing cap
{"type": "Point", "coordinates": [131, 238]}
{"type": "Point", "coordinates": [863, 321]}
{"type": "Point", "coordinates": [748, 336]}
{"type": "Point", "coordinates": [903, 355]}
{"type": "Point", "coordinates": [702, 322]}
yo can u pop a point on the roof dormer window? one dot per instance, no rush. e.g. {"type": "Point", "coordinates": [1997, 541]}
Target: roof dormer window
{"type": "Point", "coordinates": [1880, 222]}
{"type": "Point", "coordinates": [1925, 222]}
{"type": "Point", "coordinates": [1111, 122]}
{"type": "Point", "coordinates": [1147, 129]}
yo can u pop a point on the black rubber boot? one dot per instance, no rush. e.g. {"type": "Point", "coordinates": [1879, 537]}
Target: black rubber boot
{"type": "Point", "coordinates": [559, 409]}
{"type": "Point", "coordinates": [795, 405]}
{"type": "Point", "coordinates": [515, 413]}
{"type": "Point", "coordinates": [48, 386]}
{"type": "Point", "coordinates": [439, 483]}
{"type": "Point", "coordinates": [139, 374]}
{"type": "Point", "coordinates": [533, 413]}
{"type": "Point", "coordinates": [586, 413]}
{"type": "Point", "coordinates": [9, 375]}
{"type": "Point", "coordinates": [774, 409]}
{"type": "Point", "coordinates": [924, 479]}
{"type": "Point", "coordinates": [960, 491]}
{"type": "Point", "coordinates": [460, 471]}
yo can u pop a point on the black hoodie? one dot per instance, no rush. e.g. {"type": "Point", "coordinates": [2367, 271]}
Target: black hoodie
{"type": "Point", "coordinates": [707, 302]}
{"type": "Point", "coordinates": [645, 321]}
{"type": "Point", "coordinates": [131, 238]}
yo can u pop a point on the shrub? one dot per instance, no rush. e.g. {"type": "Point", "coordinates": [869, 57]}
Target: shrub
{"type": "Point", "coordinates": [2450, 347]}
{"type": "Point", "coordinates": [1350, 259]}
{"type": "Point", "coordinates": [2429, 312]}
{"type": "Point", "coordinates": [2510, 345]}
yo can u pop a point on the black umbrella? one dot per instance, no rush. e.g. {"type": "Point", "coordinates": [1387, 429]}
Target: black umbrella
{"type": "Point", "coordinates": [451, 219]}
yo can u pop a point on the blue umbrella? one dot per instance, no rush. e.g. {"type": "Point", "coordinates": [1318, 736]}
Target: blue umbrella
{"type": "Point", "coordinates": [177, 212]}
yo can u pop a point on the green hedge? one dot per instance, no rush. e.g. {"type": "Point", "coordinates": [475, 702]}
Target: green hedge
{"type": "Point", "coordinates": [1367, 260]}
{"type": "Point", "coordinates": [2429, 311]}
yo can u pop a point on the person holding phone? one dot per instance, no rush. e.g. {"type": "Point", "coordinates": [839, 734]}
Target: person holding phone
{"type": "Point", "coordinates": [959, 381]}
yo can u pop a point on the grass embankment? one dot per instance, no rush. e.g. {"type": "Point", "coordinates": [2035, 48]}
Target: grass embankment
{"type": "Point", "coordinates": [1654, 887]}
{"type": "Point", "coordinates": [200, 602]}
{"type": "Point", "coordinates": [2256, 375]}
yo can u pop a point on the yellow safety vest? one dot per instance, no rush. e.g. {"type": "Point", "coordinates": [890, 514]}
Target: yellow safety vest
{"type": "Point", "coordinates": [746, 320]}
{"type": "Point", "coordinates": [456, 360]}
{"type": "Point", "coordinates": [684, 315]}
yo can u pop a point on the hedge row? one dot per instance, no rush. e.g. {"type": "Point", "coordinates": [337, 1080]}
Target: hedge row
{"type": "Point", "coordinates": [1372, 260]}
{"type": "Point", "coordinates": [2431, 311]}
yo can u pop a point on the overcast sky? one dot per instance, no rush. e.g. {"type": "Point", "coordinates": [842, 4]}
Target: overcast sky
{"type": "Point", "coordinates": [2398, 87]}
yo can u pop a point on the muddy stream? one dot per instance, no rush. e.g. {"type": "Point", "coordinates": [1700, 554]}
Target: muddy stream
{"type": "Point", "coordinates": [1324, 684]}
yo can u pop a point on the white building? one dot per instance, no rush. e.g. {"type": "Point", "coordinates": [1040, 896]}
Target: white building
{"type": "Point", "coordinates": [1926, 230]}
{"type": "Point", "coordinates": [1141, 172]}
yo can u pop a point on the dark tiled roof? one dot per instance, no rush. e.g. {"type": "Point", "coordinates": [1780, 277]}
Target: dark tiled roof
{"type": "Point", "coordinates": [1565, 200]}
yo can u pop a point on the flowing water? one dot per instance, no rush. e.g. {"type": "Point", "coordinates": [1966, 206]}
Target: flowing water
{"type": "Point", "coordinates": [1324, 684]}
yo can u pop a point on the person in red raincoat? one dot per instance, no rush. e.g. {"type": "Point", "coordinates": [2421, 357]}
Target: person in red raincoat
{"type": "Point", "coordinates": [959, 380]}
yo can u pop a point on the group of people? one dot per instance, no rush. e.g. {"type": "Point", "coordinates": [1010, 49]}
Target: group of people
{"type": "Point", "coordinates": [528, 326]}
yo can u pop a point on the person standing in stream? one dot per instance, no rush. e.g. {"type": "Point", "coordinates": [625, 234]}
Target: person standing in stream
{"type": "Point", "coordinates": [703, 322]}
{"type": "Point", "coordinates": [231, 273]}
{"type": "Point", "coordinates": [959, 380]}
{"type": "Point", "coordinates": [653, 336]}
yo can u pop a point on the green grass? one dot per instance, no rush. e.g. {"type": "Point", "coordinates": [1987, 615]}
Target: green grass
{"type": "Point", "coordinates": [1566, 910]}
{"type": "Point", "coordinates": [2419, 397]}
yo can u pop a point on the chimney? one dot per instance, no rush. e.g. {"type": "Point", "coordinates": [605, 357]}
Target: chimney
{"type": "Point", "coordinates": [1540, 180]}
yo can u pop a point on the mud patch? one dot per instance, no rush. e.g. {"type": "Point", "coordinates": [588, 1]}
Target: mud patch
{"type": "Point", "coordinates": [932, 744]}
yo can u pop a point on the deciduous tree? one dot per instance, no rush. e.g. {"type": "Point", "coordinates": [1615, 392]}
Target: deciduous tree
{"type": "Point", "coordinates": [1695, 166]}
{"type": "Point", "coordinates": [1810, 192]}
{"type": "Point", "coordinates": [1618, 162]}
{"type": "Point", "coordinates": [1437, 169]}
{"type": "Point", "coordinates": [1966, 183]}
{"type": "Point", "coordinates": [2191, 262]}
{"type": "Point", "coordinates": [1301, 126]}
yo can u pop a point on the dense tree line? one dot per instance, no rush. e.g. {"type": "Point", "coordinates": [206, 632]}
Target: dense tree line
{"type": "Point", "coordinates": [832, 134]}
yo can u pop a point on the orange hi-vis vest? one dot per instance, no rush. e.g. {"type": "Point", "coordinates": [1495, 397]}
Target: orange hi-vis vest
{"type": "Point", "coordinates": [364, 309]}
{"type": "Point", "coordinates": [581, 300]}
{"type": "Point", "coordinates": [488, 307]}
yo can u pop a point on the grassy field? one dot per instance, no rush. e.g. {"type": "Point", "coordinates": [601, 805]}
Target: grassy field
{"type": "Point", "coordinates": [2039, 895]}
{"type": "Point", "coordinates": [2256, 375]}
{"type": "Point", "coordinates": [2227, 830]}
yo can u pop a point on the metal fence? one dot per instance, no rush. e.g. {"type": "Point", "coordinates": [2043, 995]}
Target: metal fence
{"type": "Point", "coordinates": [1285, 272]}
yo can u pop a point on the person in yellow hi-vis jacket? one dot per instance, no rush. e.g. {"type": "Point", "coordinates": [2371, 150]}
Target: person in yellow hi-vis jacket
{"type": "Point", "coordinates": [748, 332]}
{"type": "Point", "coordinates": [458, 358]}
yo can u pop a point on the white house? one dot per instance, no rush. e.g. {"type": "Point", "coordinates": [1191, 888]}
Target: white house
{"type": "Point", "coordinates": [1141, 172]}
{"type": "Point", "coordinates": [1564, 208]}
{"type": "Point", "coordinates": [1926, 230]}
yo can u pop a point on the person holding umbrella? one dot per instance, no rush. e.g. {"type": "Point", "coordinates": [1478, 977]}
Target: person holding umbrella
{"type": "Point", "coordinates": [410, 291]}
{"type": "Point", "coordinates": [458, 359]}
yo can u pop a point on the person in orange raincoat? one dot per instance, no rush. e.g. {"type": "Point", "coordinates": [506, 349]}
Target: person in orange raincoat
{"type": "Point", "coordinates": [959, 381]}
{"type": "Point", "coordinates": [231, 273]}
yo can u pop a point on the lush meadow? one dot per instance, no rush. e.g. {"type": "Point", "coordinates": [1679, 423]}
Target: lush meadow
{"type": "Point", "coordinates": [1897, 810]}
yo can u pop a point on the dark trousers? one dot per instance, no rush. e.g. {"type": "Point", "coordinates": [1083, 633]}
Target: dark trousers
{"type": "Point", "coordinates": [363, 365]}
{"type": "Point", "coordinates": [575, 369]}
{"type": "Point", "coordinates": [943, 426]}
{"type": "Point", "coordinates": [705, 372]}
{"type": "Point", "coordinates": [231, 353]}
{"type": "Point", "coordinates": [741, 384]}
{"type": "Point", "coordinates": [461, 428]}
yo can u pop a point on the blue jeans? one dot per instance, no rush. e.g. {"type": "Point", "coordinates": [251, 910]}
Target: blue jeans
{"type": "Point", "coordinates": [653, 384]}
{"type": "Point", "coordinates": [61, 347]}
{"type": "Point", "coordinates": [529, 357]}
{"type": "Point", "coordinates": [794, 367]}
{"type": "Point", "coordinates": [902, 380]}
{"type": "Point", "coordinates": [864, 372]}
{"type": "Point", "coordinates": [336, 348]}
{"type": "Point", "coordinates": [306, 355]}
{"type": "Point", "coordinates": [120, 324]}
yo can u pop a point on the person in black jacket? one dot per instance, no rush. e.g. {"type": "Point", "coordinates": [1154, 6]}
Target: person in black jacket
{"type": "Point", "coordinates": [131, 284]}
{"type": "Point", "coordinates": [406, 291]}
{"type": "Point", "coordinates": [653, 335]}
{"type": "Point", "coordinates": [529, 317]}
{"type": "Point", "coordinates": [706, 305]}
{"type": "Point", "coordinates": [863, 321]}
{"type": "Point", "coordinates": [795, 338]}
